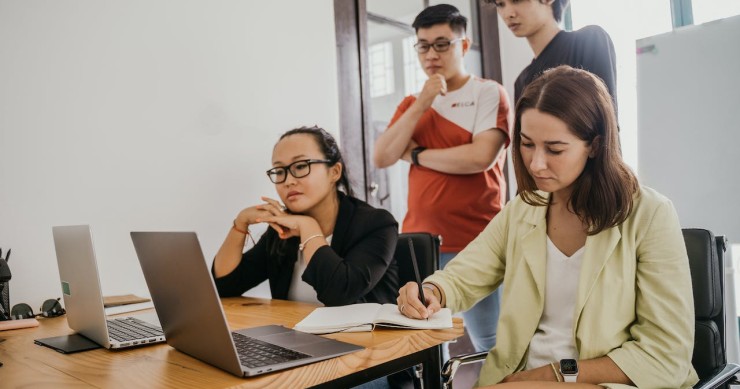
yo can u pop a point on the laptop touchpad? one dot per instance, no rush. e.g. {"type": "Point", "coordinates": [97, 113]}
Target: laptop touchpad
{"type": "Point", "coordinates": [292, 339]}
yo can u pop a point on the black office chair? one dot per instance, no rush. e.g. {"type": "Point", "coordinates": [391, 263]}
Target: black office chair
{"type": "Point", "coordinates": [706, 260]}
{"type": "Point", "coordinates": [426, 249]}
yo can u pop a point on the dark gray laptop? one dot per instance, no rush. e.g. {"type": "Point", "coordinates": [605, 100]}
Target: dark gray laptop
{"type": "Point", "coordinates": [193, 320]}
{"type": "Point", "coordinates": [83, 299]}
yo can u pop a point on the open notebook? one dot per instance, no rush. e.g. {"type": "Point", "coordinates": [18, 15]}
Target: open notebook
{"type": "Point", "coordinates": [364, 317]}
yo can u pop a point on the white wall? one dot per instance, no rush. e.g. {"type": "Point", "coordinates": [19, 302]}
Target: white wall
{"type": "Point", "coordinates": [147, 115]}
{"type": "Point", "coordinates": [688, 118]}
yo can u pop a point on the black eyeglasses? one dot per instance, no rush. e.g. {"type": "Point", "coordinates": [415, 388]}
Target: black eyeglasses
{"type": "Point", "coordinates": [297, 169]}
{"type": "Point", "coordinates": [439, 46]}
{"type": "Point", "coordinates": [50, 308]}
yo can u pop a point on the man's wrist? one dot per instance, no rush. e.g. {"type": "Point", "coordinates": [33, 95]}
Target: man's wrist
{"type": "Point", "coordinates": [415, 154]}
{"type": "Point", "coordinates": [418, 107]}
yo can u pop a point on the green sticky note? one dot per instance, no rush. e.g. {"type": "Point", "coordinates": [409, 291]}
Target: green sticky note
{"type": "Point", "coordinates": [65, 288]}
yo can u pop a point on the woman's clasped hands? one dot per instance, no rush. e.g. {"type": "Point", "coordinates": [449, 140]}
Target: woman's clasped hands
{"type": "Point", "coordinates": [276, 215]}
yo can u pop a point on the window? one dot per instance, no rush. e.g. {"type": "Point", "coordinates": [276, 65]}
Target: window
{"type": "Point", "coordinates": [413, 74]}
{"type": "Point", "coordinates": [382, 81]}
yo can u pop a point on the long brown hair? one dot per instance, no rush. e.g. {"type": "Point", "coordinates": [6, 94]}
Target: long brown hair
{"type": "Point", "coordinates": [603, 194]}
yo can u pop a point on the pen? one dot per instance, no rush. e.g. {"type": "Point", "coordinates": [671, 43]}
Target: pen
{"type": "Point", "coordinates": [7, 256]}
{"type": "Point", "coordinates": [416, 273]}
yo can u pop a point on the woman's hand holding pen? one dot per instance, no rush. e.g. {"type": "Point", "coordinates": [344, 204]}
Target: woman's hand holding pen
{"type": "Point", "coordinates": [410, 305]}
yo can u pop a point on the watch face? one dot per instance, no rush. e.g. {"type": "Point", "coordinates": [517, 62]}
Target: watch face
{"type": "Point", "coordinates": [569, 366]}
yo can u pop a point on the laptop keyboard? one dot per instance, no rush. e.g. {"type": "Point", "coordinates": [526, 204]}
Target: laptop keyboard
{"type": "Point", "coordinates": [128, 328]}
{"type": "Point", "coordinates": [256, 353]}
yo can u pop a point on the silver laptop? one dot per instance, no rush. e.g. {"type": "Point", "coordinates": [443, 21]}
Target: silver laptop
{"type": "Point", "coordinates": [193, 320]}
{"type": "Point", "coordinates": [83, 299]}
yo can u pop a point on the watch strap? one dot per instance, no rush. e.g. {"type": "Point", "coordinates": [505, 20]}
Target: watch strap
{"type": "Point", "coordinates": [415, 154]}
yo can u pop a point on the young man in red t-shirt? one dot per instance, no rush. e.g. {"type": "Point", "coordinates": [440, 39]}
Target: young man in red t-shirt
{"type": "Point", "coordinates": [453, 133]}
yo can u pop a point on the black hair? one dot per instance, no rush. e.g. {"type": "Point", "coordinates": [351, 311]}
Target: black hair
{"type": "Point", "coordinates": [558, 7]}
{"type": "Point", "coordinates": [441, 14]}
{"type": "Point", "coordinates": [329, 148]}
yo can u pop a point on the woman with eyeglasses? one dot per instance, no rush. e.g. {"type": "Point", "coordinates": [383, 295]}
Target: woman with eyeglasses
{"type": "Point", "coordinates": [323, 246]}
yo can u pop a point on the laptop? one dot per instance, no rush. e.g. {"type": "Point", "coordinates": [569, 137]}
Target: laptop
{"type": "Point", "coordinates": [193, 320]}
{"type": "Point", "coordinates": [83, 299]}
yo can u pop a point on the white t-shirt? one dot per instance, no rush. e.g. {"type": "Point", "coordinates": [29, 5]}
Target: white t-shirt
{"type": "Point", "coordinates": [554, 339]}
{"type": "Point", "coordinates": [299, 290]}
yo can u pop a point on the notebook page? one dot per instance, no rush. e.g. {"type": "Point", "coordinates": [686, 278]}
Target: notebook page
{"type": "Point", "coordinates": [350, 318]}
{"type": "Point", "coordinates": [389, 316]}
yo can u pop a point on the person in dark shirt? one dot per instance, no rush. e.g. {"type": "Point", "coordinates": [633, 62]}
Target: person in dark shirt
{"type": "Point", "coordinates": [589, 48]}
{"type": "Point", "coordinates": [324, 246]}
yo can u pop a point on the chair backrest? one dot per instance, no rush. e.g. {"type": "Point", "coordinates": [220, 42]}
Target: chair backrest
{"type": "Point", "coordinates": [706, 259]}
{"type": "Point", "coordinates": [426, 248]}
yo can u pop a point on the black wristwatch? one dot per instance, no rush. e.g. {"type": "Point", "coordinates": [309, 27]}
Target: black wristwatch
{"type": "Point", "coordinates": [569, 369]}
{"type": "Point", "coordinates": [415, 154]}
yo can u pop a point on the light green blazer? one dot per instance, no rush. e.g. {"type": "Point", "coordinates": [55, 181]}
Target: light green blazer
{"type": "Point", "coordinates": [634, 300]}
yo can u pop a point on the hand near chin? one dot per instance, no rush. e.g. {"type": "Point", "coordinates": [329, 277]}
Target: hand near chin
{"type": "Point", "coordinates": [286, 225]}
{"type": "Point", "coordinates": [257, 213]}
{"type": "Point", "coordinates": [435, 86]}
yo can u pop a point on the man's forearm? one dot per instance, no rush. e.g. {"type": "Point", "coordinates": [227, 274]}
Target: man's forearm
{"type": "Point", "coordinates": [464, 159]}
{"type": "Point", "coordinates": [391, 144]}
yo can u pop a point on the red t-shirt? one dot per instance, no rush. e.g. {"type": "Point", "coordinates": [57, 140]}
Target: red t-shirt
{"type": "Point", "coordinates": [457, 206]}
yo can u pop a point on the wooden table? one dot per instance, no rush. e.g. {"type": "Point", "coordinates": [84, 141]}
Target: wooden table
{"type": "Point", "coordinates": [387, 350]}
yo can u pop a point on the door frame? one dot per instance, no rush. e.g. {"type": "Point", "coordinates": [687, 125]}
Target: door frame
{"type": "Point", "coordinates": [350, 20]}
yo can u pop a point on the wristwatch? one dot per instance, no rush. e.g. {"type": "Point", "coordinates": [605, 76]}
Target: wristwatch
{"type": "Point", "coordinates": [569, 369]}
{"type": "Point", "coordinates": [415, 154]}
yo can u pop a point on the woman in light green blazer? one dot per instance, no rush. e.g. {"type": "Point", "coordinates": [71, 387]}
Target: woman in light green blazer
{"type": "Point", "coordinates": [596, 283]}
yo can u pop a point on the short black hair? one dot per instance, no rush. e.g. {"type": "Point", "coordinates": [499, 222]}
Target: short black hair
{"type": "Point", "coordinates": [441, 14]}
{"type": "Point", "coordinates": [558, 7]}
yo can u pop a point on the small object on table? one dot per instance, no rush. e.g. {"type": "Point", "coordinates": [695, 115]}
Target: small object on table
{"type": "Point", "coordinates": [68, 344]}
{"type": "Point", "coordinates": [18, 323]}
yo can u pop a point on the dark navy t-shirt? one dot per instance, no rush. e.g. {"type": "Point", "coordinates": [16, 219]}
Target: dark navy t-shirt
{"type": "Point", "coordinates": [589, 48]}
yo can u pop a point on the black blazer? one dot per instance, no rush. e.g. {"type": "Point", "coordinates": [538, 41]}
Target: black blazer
{"type": "Point", "coordinates": [358, 267]}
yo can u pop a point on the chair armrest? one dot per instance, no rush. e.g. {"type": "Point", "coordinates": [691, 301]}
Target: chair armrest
{"type": "Point", "coordinates": [723, 375]}
{"type": "Point", "coordinates": [450, 368]}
